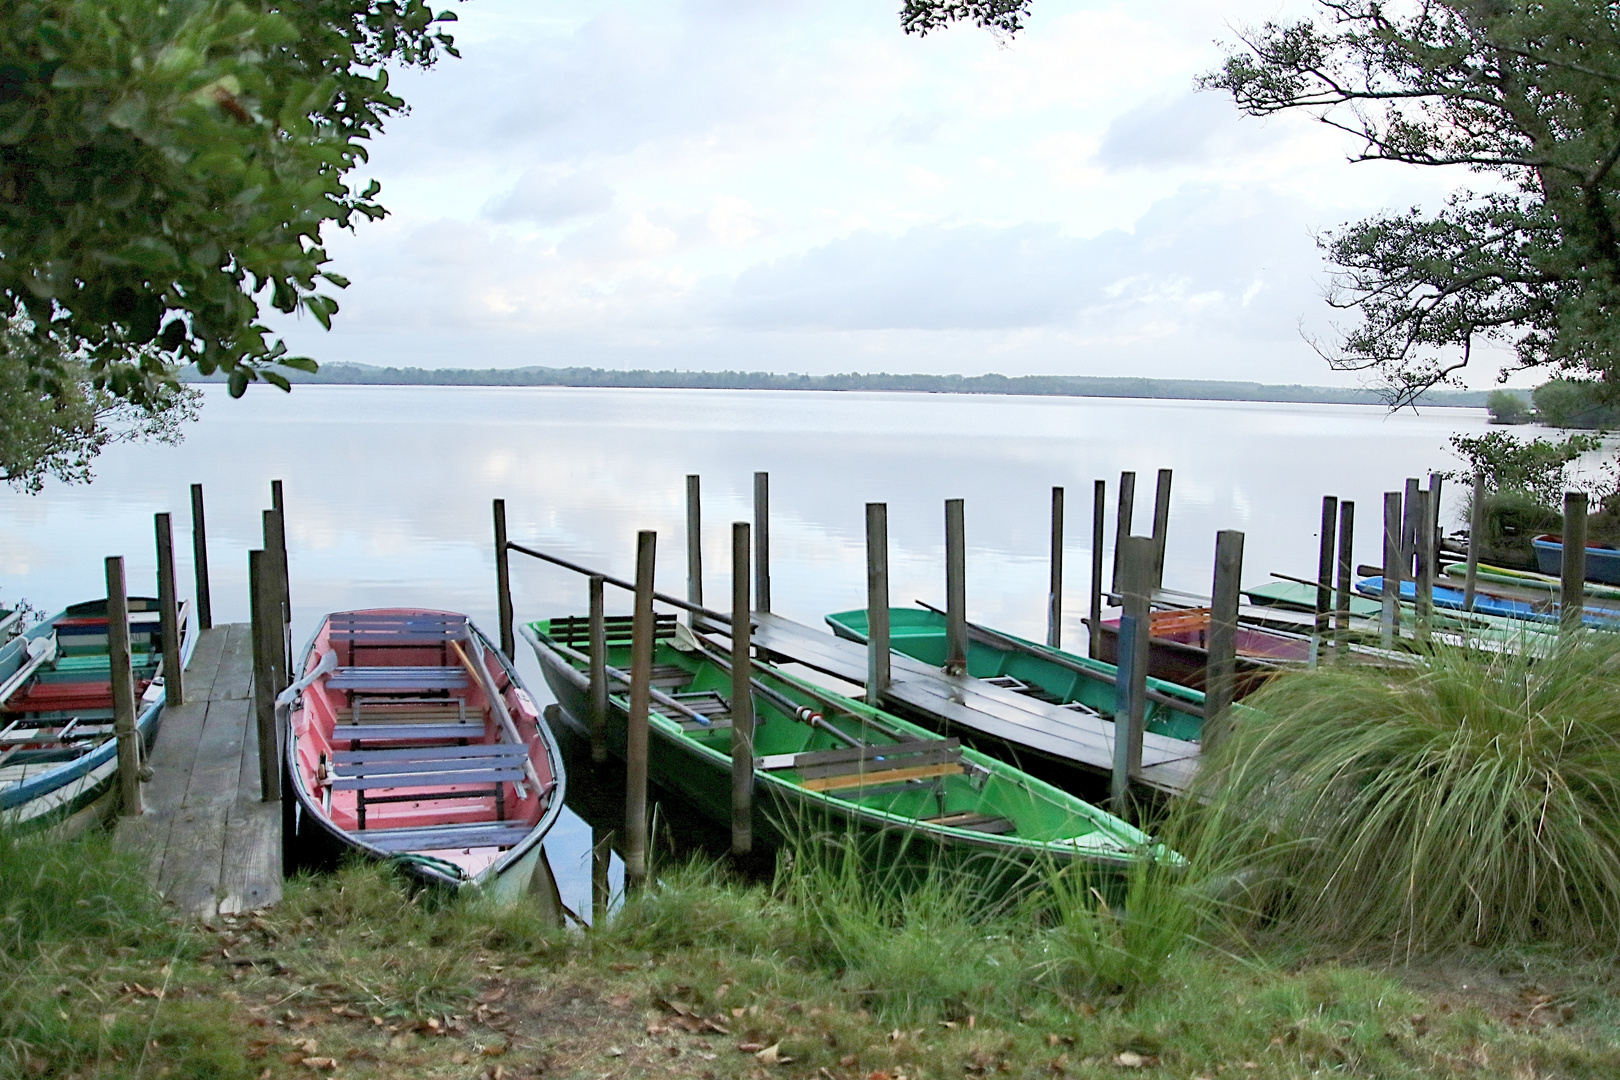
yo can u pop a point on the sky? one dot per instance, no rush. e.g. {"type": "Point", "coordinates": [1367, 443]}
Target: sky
{"type": "Point", "coordinates": [798, 186]}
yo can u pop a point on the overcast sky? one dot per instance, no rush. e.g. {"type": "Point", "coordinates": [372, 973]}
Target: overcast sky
{"type": "Point", "coordinates": [795, 185]}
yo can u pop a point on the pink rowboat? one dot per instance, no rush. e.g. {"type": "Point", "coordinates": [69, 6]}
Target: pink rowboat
{"type": "Point", "coordinates": [410, 738]}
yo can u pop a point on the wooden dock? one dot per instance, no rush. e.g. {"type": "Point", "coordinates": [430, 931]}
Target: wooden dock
{"type": "Point", "coordinates": [214, 847]}
{"type": "Point", "coordinates": [981, 710]}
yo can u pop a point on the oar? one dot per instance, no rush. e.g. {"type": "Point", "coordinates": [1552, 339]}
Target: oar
{"type": "Point", "coordinates": [41, 651]}
{"type": "Point", "coordinates": [1180, 704]}
{"type": "Point", "coordinates": [802, 713]}
{"type": "Point", "coordinates": [481, 675]}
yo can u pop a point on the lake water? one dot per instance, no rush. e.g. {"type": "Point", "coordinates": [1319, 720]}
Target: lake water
{"type": "Point", "coordinates": [388, 495]}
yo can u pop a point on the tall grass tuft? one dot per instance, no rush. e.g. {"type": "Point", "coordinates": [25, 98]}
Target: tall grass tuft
{"type": "Point", "coordinates": [1474, 801]}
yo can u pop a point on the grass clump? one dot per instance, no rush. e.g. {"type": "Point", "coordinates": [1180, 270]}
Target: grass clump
{"type": "Point", "coordinates": [1472, 801]}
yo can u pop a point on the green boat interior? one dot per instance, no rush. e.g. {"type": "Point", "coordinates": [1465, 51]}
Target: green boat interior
{"type": "Point", "coordinates": [920, 634]}
{"type": "Point", "coordinates": [840, 748]}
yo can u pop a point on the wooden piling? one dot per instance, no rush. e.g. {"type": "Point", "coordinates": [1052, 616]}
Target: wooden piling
{"type": "Point", "coordinates": [955, 589]}
{"type": "Point", "coordinates": [1054, 588]}
{"type": "Point", "coordinates": [601, 860]}
{"type": "Point", "coordinates": [264, 600]}
{"type": "Point", "coordinates": [742, 697]}
{"type": "Point", "coordinates": [1122, 522]}
{"type": "Point", "coordinates": [1130, 688]}
{"type": "Point", "coordinates": [199, 559]}
{"type": "Point", "coordinates": [123, 689]}
{"type": "Point", "coordinates": [1161, 525]}
{"type": "Point", "coordinates": [174, 675]}
{"type": "Point", "coordinates": [1476, 526]}
{"type": "Point", "coordinates": [1220, 676]}
{"type": "Point", "coordinates": [275, 544]}
{"type": "Point", "coordinates": [1341, 605]}
{"type": "Point", "coordinates": [503, 582]}
{"type": "Point", "coordinates": [597, 722]}
{"type": "Point", "coordinates": [694, 546]}
{"type": "Point", "coordinates": [1324, 571]}
{"type": "Point", "coordinates": [635, 751]}
{"type": "Point", "coordinates": [1099, 513]}
{"type": "Point", "coordinates": [1436, 530]}
{"type": "Point", "coordinates": [1423, 566]}
{"type": "Point", "coordinates": [1572, 603]}
{"type": "Point", "coordinates": [877, 602]}
{"type": "Point", "coordinates": [1390, 618]}
{"type": "Point", "coordinates": [275, 497]}
{"type": "Point", "coordinates": [1409, 530]}
{"type": "Point", "coordinates": [762, 541]}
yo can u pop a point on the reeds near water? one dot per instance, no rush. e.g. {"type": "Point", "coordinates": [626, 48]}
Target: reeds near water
{"type": "Point", "coordinates": [1472, 801]}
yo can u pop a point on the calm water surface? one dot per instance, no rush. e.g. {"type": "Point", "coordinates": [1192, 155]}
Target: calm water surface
{"type": "Point", "coordinates": [388, 495]}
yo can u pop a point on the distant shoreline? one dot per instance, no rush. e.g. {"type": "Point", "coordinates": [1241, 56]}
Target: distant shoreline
{"type": "Point", "coordinates": [346, 374]}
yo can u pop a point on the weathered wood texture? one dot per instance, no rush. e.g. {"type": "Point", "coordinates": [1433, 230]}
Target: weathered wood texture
{"type": "Point", "coordinates": [213, 847]}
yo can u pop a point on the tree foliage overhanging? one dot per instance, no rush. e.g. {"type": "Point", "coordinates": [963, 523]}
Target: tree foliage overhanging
{"type": "Point", "coordinates": [1527, 94]}
{"type": "Point", "coordinates": [166, 167]}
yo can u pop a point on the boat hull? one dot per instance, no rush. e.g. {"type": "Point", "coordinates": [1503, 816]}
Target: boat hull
{"type": "Point", "coordinates": [1186, 663]}
{"type": "Point", "coordinates": [1602, 563]}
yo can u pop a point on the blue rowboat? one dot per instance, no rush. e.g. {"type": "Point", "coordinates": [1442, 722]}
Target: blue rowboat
{"type": "Point", "coordinates": [1484, 604]}
{"type": "Point", "coordinates": [1602, 563]}
{"type": "Point", "coordinates": [58, 755]}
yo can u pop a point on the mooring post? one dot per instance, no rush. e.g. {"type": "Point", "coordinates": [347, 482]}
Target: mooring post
{"type": "Point", "coordinates": [635, 749]}
{"type": "Point", "coordinates": [1099, 515]}
{"type": "Point", "coordinates": [1220, 676]}
{"type": "Point", "coordinates": [877, 602]}
{"type": "Point", "coordinates": [275, 544]}
{"type": "Point", "coordinates": [123, 689]}
{"type": "Point", "coordinates": [503, 581]}
{"type": "Point", "coordinates": [1390, 618]}
{"type": "Point", "coordinates": [264, 600]}
{"type": "Point", "coordinates": [1122, 523]}
{"type": "Point", "coordinates": [762, 541]}
{"type": "Point", "coordinates": [279, 505]}
{"type": "Point", "coordinates": [1436, 530]}
{"type": "Point", "coordinates": [955, 589]}
{"type": "Point", "coordinates": [1324, 574]}
{"type": "Point", "coordinates": [742, 698]}
{"type": "Point", "coordinates": [1054, 588]}
{"type": "Point", "coordinates": [1423, 566]}
{"type": "Point", "coordinates": [1130, 688]}
{"type": "Point", "coordinates": [174, 675]}
{"type": "Point", "coordinates": [1341, 604]}
{"type": "Point", "coordinates": [1476, 524]}
{"type": "Point", "coordinates": [1409, 531]}
{"type": "Point", "coordinates": [1572, 601]}
{"type": "Point", "coordinates": [199, 559]}
{"type": "Point", "coordinates": [1161, 525]}
{"type": "Point", "coordinates": [694, 547]}
{"type": "Point", "coordinates": [601, 860]}
{"type": "Point", "coordinates": [597, 722]}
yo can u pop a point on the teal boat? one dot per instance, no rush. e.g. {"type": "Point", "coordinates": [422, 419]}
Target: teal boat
{"type": "Point", "coordinates": [1041, 672]}
{"type": "Point", "coordinates": [825, 761]}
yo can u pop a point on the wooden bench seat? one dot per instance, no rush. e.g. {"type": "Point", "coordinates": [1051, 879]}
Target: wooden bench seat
{"type": "Point", "coordinates": [394, 679]}
{"type": "Point", "coordinates": [479, 769]}
{"type": "Point", "coordinates": [364, 733]}
{"type": "Point", "coordinates": [496, 834]}
{"type": "Point", "coordinates": [367, 630]}
{"type": "Point", "coordinates": [575, 630]}
{"type": "Point", "coordinates": [871, 765]}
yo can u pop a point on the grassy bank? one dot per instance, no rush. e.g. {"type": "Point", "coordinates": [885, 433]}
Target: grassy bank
{"type": "Point", "coordinates": [704, 977]}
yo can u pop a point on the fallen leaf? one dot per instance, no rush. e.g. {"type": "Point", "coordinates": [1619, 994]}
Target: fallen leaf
{"type": "Point", "coordinates": [1130, 1059]}
{"type": "Point", "coordinates": [848, 1060]}
{"type": "Point", "coordinates": [721, 992]}
{"type": "Point", "coordinates": [736, 1014]}
{"type": "Point", "coordinates": [319, 1062]}
{"type": "Point", "coordinates": [622, 967]}
{"type": "Point", "coordinates": [614, 1051]}
{"type": "Point", "coordinates": [750, 1047]}
{"type": "Point", "coordinates": [772, 1055]}
{"type": "Point", "coordinates": [306, 1045]}
{"type": "Point", "coordinates": [679, 1008]}
{"type": "Point", "coordinates": [656, 1028]}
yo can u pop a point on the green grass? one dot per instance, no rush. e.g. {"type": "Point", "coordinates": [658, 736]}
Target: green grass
{"type": "Point", "coordinates": [1474, 801]}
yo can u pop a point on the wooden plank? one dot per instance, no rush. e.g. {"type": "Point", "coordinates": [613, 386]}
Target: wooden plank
{"type": "Point", "coordinates": [886, 776]}
{"type": "Point", "coordinates": [235, 678]}
{"type": "Point", "coordinates": [250, 877]}
{"type": "Point", "coordinates": [193, 862]}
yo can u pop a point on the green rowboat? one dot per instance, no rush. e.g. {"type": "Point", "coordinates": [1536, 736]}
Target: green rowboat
{"type": "Point", "coordinates": [826, 761]}
{"type": "Point", "coordinates": [1040, 671]}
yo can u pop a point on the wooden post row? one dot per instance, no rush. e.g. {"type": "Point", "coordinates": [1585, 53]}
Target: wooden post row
{"type": "Point", "coordinates": [635, 752]}
{"type": "Point", "coordinates": [1054, 589]}
{"type": "Point", "coordinates": [1220, 677]}
{"type": "Point", "coordinates": [1476, 525]}
{"type": "Point", "coordinates": [1346, 582]}
{"type": "Point", "coordinates": [1423, 564]}
{"type": "Point", "coordinates": [742, 698]}
{"type": "Point", "coordinates": [1573, 583]}
{"type": "Point", "coordinates": [503, 581]}
{"type": "Point", "coordinates": [1099, 512]}
{"type": "Point", "coordinates": [955, 589]}
{"type": "Point", "coordinates": [174, 675]}
{"type": "Point", "coordinates": [1324, 570]}
{"type": "Point", "coordinates": [123, 689]}
{"type": "Point", "coordinates": [877, 602]}
{"type": "Point", "coordinates": [199, 559]}
{"type": "Point", "coordinates": [762, 541]}
{"type": "Point", "coordinates": [264, 600]}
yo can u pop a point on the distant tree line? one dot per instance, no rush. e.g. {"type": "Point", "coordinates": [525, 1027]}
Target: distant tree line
{"type": "Point", "coordinates": [1561, 403]}
{"type": "Point", "coordinates": [1029, 385]}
